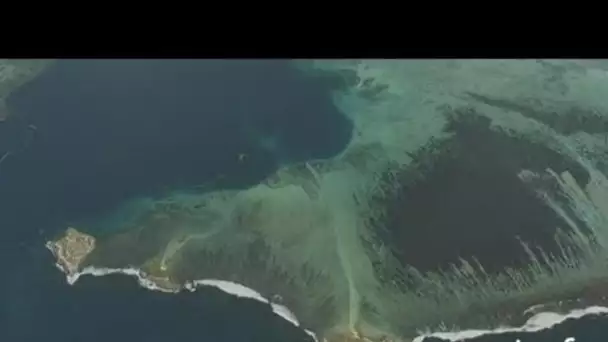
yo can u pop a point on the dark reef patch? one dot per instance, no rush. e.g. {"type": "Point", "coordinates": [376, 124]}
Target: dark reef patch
{"type": "Point", "coordinates": [463, 199]}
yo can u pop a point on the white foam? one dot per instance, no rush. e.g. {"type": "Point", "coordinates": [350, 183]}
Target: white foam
{"type": "Point", "coordinates": [229, 287]}
{"type": "Point", "coordinates": [533, 308]}
{"type": "Point", "coordinates": [142, 279]}
{"type": "Point", "coordinates": [543, 319]}
{"type": "Point", "coordinates": [540, 321]}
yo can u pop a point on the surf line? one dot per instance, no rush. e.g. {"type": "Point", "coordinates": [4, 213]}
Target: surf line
{"type": "Point", "coordinates": [567, 339]}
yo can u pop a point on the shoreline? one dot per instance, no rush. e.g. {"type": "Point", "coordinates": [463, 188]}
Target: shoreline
{"type": "Point", "coordinates": [164, 285]}
{"type": "Point", "coordinates": [538, 321]}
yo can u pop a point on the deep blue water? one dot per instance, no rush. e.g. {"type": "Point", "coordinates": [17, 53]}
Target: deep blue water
{"type": "Point", "coordinates": [109, 130]}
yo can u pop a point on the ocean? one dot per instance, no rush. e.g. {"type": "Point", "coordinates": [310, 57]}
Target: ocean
{"type": "Point", "coordinates": [109, 130]}
{"type": "Point", "coordinates": [89, 134]}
